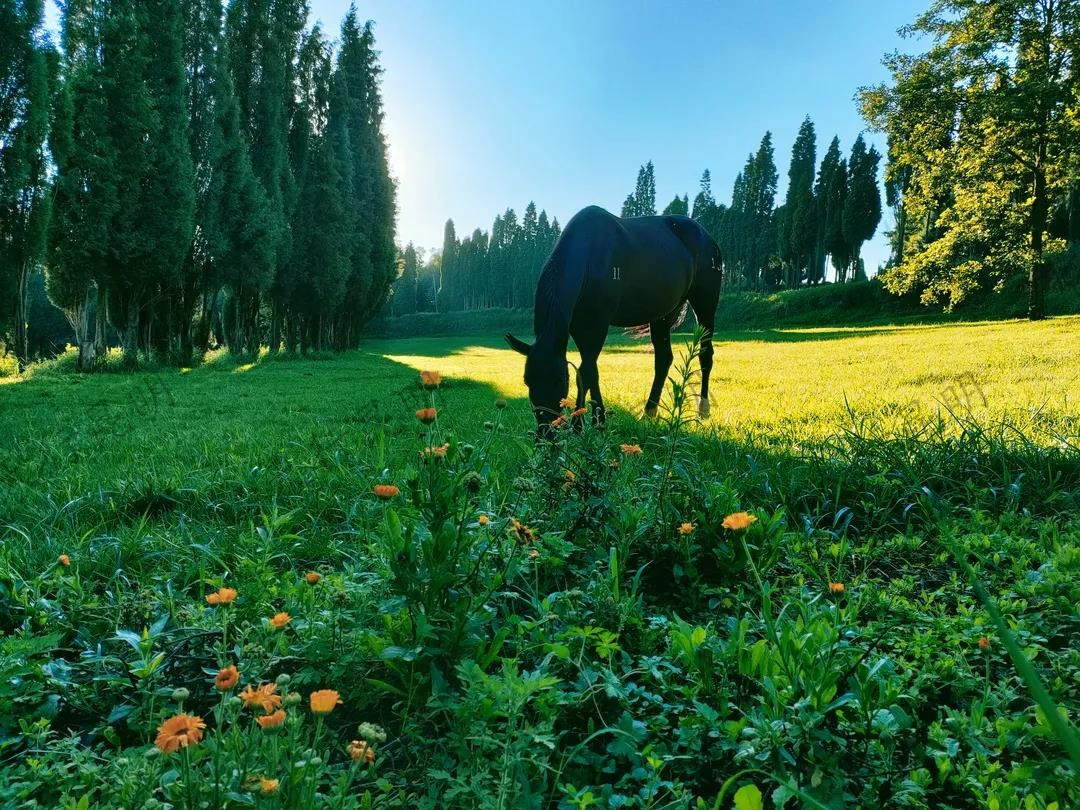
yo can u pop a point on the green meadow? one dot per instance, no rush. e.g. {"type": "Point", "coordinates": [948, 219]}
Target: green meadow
{"type": "Point", "coordinates": [889, 620]}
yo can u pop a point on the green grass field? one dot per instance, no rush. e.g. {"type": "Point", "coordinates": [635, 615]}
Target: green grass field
{"type": "Point", "coordinates": [565, 627]}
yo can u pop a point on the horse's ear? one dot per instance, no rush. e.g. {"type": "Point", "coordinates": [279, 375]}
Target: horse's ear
{"type": "Point", "coordinates": [519, 346]}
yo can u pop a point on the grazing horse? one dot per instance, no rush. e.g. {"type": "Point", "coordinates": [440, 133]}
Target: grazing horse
{"type": "Point", "coordinates": [606, 271]}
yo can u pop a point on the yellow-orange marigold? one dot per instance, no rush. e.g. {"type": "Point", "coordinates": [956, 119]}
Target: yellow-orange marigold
{"type": "Point", "coordinates": [272, 720]}
{"type": "Point", "coordinates": [179, 731]}
{"type": "Point", "coordinates": [522, 532]}
{"type": "Point", "coordinates": [324, 701]}
{"type": "Point", "coordinates": [558, 421]}
{"type": "Point", "coordinates": [279, 620]}
{"type": "Point", "coordinates": [227, 678]}
{"type": "Point", "coordinates": [64, 560]}
{"type": "Point", "coordinates": [435, 452]}
{"type": "Point", "coordinates": [386, 491]}
{"type": "Point", "coordinates": [430, 379]}
{"type": "Point", "coordinates": [579, 412]}
{"type": "Point", "coordinates": [360, 750]}
{"type": "Point", "coordinates": [261, 697]}
{"type": "Point", "coordinates": [738, 521]}
{"type": "Point", "coordinates": [984, 643]}
{"type": "Point", "coordinates": [222, 596]}
{"type": "Point", "coordinates": [836, 587]}
{"type": "Point", "coordinates": [483, 520]}
{"type": "Point", "coordinates": [630, 449]}
{"type": "Point", "coordinates": [566, 402]}
{"type": "Point", "coordinates": [569, 475]}
{"type": "Point", "coordinates": [312, 578]}
{"type": "Point", "coordinates": [686, 528]}
{"type": "Point", "coordinates": [427, 415]}
{"type": "Point", "coordinates": [268, 786]}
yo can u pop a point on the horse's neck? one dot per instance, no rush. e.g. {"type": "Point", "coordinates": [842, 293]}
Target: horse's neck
{"type": "Point", "coordinates": [553, 340]}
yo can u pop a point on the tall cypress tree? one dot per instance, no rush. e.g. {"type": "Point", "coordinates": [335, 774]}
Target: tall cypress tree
{"type": "Point", "coordinates": [128, 284]}
{"type": "Point", "coordinates": [862, 206]}
{"type": "Point", "coordinates": [835, 243]}
{"type": "Point", "coordinates": [373, 196]}
{"type": "Point", "coordinates": [26, 68]}
{"type": "Point", "coordinates": [170, 192]}
{"type": "Point", "coordinates": [207, 72]}
{"type": "Point", "coordinates": [824, 215]}
{"type": "Point", "coordinates": [642, 202]}
{"type": "Point", "coordinates": [237, 222]}
{"type": "Point", "coordinates": [800, 219]}
{"type": "Point", "coordinates": [760, 178]}
{"type": "Point", "coordinates": [85, 192]}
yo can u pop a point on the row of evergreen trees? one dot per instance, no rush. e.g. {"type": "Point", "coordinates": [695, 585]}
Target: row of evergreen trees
{"type": "Point", "coordinates": [825, 217]}
{"type": "Point", "coordinates": [481, 271]}
{"type": "Point", "coordinates": [209, 171]}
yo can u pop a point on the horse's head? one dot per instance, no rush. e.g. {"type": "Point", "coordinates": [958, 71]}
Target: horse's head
{"type": "Point", "coordinates": [546, 377]}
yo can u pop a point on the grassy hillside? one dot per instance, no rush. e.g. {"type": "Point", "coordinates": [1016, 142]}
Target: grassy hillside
{"type": "Point", "coordinates": [774, 602]}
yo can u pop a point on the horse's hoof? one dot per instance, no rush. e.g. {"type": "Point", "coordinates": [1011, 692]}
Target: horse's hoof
{"type": "Point", "coordinates": [703, 408]}
{"type": "Point", "coordinates": [650, 411]}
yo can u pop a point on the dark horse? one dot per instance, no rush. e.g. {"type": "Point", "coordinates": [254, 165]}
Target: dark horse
{"type": "Point", "coordinates": [606, 271]}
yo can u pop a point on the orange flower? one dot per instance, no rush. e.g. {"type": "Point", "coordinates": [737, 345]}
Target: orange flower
{"type": "Point", "coordinates": [324, 701]}
{"type": "Point", "coordinates": [222, 596]}
{"type": "Point", "coordinates": [630, 449]}
{"type": "Point", "coordinates": [569, 475]}
{"type": "Point", "coordinates": [738, 521]}
{"type": "Point", "coordinates": [386, 491]}
{"type": "Point", "coordinates": [279, 620]}
{"type": "Point", "coordinates": [268, 786]}
{"type": "Point", "coordinates": [558, 421]}
{"type": "Point", "coordinates": [566, 402]}
{"type": "Point", "coordinates": [430, 379]}
{"type": "Point", "coordinates": [483, 520]}
{"type": "Point", "coordinates": [271, 720]}
{"type": "Point", "coordinates": [64, 560]}
{"type": "Point", "coordinates": [435, 452]}
{"type": "Point", "coordinates": [522, 532]}
{"type": "Point", "coordinates": [579, 412]}
{"type": "Point", "coordinates": [312, 578]}
{"type": "Point", "coordinates": [836, 588]}
{"type": "Point", "coordinates": [179, 731]}
{"type": "Point", "coordinates": [360, 750]}
{"type": "Point", "coordinates": [984, 643]}
{"type": "Point", "coordinates": [261, 697]}
{"type": "Point", "coordinates": [686, 528]}
{"type": "Point", "coordinates": [427, 415]}
{"type": "Point", "coordinates": [227, 678]}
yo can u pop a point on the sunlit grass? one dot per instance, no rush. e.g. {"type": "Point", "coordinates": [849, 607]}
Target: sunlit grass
{"type": "Point", "coordinates": [813, 382]}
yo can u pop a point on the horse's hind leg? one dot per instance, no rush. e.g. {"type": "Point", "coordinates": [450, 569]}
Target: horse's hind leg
{"type": "Point", "coordinates": [660, 334]}
{"type": "Point", "coordinates": [703, 303]}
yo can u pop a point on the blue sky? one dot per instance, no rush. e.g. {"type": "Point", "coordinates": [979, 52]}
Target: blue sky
{"type": "Point", "coordinates": [492, 104]}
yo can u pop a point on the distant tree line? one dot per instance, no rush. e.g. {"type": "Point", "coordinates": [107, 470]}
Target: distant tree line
{"type": "Point", "coordinates": [983, 170]}
{"type": "Point", "coordinates": [824, 217]}
{"type": "Point", "coordinates": [192, 171]}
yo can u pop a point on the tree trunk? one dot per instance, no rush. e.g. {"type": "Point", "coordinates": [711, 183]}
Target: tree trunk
{"type": "Point", "coordinates": [1039, 274]}
{"type": "Point", "coordinates": [22, 345]}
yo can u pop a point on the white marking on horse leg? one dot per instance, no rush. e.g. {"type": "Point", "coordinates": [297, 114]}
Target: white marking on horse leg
{"type": "Point", "coordinates": [650, 411]}
{"type": "Point", "coordinates": [703, 408]}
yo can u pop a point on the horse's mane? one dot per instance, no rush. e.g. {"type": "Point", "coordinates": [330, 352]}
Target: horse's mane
{"type": "Point", "coordinates": [547, 289]}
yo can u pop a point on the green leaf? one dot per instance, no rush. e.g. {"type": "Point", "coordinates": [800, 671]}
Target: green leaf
{"type": "Point", "coordinates": [748, 797]}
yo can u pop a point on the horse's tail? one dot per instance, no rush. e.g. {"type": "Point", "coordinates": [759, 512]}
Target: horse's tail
{"type": "Point", "coordinates": [643, 330]}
